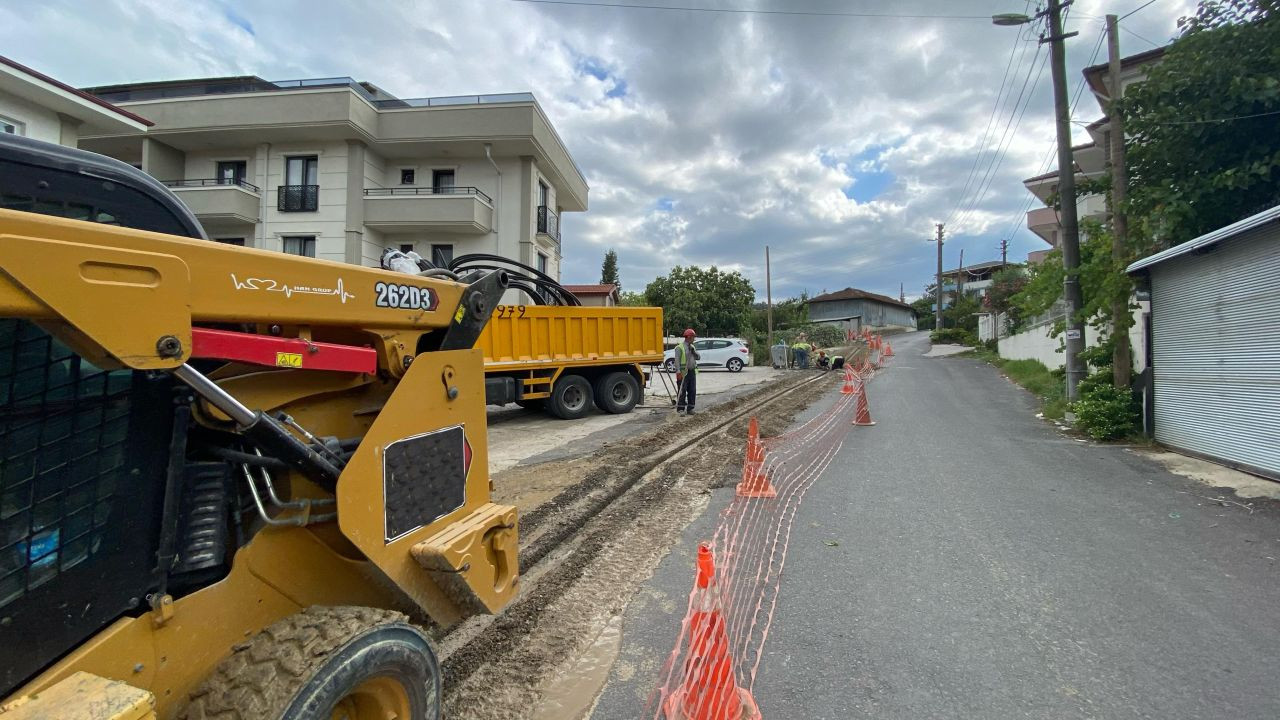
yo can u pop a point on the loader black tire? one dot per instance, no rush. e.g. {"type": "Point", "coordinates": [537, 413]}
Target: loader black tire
{"type": "Point", "coordinates": [570, 398]}
{"type": "Point", "coordinates": [617, 393]}
{"type": "Point", "coordinates": [369, 662]}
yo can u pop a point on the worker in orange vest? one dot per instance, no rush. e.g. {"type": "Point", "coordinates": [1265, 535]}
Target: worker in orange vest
{"type": "Point", "coordinates": [687, 373]}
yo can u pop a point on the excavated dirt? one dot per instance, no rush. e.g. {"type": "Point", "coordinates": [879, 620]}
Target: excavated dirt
{"type": "Point", "coordinates": [592, 530]}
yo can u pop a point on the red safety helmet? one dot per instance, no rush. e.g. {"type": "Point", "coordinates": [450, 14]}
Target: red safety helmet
{"type": "Point", "coordinates": [690, 333]}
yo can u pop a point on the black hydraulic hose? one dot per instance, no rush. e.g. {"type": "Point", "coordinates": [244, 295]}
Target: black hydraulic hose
{"type": "Point", "coordinates": [239, 457]}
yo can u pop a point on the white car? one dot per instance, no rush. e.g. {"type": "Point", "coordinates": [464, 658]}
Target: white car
{"type": "Point", "coordinates": [729, 353]}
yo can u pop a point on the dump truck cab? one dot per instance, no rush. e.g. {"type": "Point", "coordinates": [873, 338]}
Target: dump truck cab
{"type": "Point", "coordinates": [219, 464]}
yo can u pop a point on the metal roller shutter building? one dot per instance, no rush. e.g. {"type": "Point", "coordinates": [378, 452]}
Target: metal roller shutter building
{"type": "Point", "coordinates": [1215, 350]}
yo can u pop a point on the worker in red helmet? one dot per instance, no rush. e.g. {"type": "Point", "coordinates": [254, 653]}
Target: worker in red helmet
{"type": "Point", "coordinates": [687, 373]}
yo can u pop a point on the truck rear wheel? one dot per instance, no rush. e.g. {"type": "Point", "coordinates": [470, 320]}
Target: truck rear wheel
{"type": "Point", "coordinates": [326, 662]}
{"type": "Point", "coordinates": [617, 393]}
{"type": "Point", "coordinates": [570, 398]}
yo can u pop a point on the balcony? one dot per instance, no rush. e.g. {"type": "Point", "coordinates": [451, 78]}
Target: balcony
{"type": "Point", "coordinates": [548, 223]}
{"type": "Point", "coordinates": [219, 201]}
{"type": "Point", "coordinates": [459, 209]}
{"type": "Point", "coordinates": [1044, 222]}
{"type": "Point", "coordinates": [298, 198]}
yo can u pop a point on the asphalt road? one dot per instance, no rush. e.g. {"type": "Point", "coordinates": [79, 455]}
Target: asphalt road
{"type": "Point", "coordinates": [989, 566]}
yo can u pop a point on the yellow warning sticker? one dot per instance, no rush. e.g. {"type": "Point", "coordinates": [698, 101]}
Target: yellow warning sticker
{"type": "Point", "coordinates": [457, 317]}
{"type": "Point", "coordinates": [284, 359]}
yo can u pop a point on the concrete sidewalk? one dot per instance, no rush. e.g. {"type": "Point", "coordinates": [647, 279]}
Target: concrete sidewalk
{"type": "Point", "coordinates": [963, 559]}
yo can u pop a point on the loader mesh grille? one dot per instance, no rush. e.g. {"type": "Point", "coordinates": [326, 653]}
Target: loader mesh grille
{"type": "Point", "coordinates": [81, 473]}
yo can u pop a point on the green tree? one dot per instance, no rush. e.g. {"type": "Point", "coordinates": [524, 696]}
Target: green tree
{"type": "Point", "coordinates": [1005, 284]}
{"type": "Point", "coordinates": [709, 301]}
{"type": "Point", "coordinates": [924, 310]}
{"type": "Point", "coordinates": [1203, 129]}
{"type": "Point", "coordinates": [633, 299]}
{"type": "Point", "coordinates": [609, 270]}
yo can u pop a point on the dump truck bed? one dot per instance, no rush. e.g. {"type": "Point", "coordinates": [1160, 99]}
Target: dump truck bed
{"type": "Point", "coordinates": [567, 358]}
{"type": "Point", "coordinates": [522, 337]}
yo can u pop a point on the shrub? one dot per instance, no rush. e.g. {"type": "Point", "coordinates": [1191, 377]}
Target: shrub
{"type": "Point", "coordinates": [1095, 380]}
{"type": "Point", "coordinates": [1107, 413]}
{"type": "Point", "coordinates": [954, 336]}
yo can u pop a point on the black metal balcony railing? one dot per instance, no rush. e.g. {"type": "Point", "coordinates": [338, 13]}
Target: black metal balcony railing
{"type": "Point", "coordinates": [548, 222]}
{"type": "Point", "coordinates": [444, 190]}
{"type": "Point", "coordinates": [298, 198]}
{"type": "Point", "coordinates": [207, 182]}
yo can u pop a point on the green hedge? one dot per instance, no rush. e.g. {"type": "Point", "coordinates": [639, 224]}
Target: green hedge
{"type": "Point", "coordinates": [954, 336]}
{"type": "Point", "coordinates": [1105, 411]}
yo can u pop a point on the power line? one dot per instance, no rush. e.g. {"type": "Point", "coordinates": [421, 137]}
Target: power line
{"type": "Point", "coordinates": [1143, 6]}
{"type": "Point", "coordinates": [1143, 39]}
{"type": "Point", "coordinates": [995, 108]}
{"type": "Point", "coordinates": [751, 11]}
{"type": "Point", "coordinates": [1218, 120]}
{"type": "Point", "coordinates": [1020, 217]}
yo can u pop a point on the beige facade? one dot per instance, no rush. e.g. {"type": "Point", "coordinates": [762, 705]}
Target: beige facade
{"type": "Point", "coordinates": [342, 170]}
{"type": "Point", "coordinates": [1090, 159]}
{"type": "Point", "coordinates": [37, 106]}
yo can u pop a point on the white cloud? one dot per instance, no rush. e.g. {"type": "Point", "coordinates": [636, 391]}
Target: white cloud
{"type": "Point", "coordinates": [703, 136]}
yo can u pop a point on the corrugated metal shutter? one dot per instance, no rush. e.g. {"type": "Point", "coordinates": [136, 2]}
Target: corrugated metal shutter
{"type": "Point", "coordinates": [1216, 351]}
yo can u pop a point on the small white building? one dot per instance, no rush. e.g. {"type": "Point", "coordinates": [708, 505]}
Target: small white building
{"type": "Point", "coordinates": [1215, 344]}
{"type": "Point", "coordinates": [599, 295]}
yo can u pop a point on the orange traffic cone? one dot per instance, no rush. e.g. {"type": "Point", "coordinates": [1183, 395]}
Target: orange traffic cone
{"type": "Point", "coordinates": [888, 350]}
{"type": "Point", "coordinates": [755, 481]}
{"type": "Point", "coordinates": [862, 415]}
{"type": "Point", "coordinates": [848, 382]}
{"type": "Point", "coordinates": [708, 690]}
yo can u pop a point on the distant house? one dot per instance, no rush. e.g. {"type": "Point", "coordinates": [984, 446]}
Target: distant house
{"type": "Point", "coordinates": [854, 309]}
{"type": "Point", "coordinates": [595, 295]}
{"type": "Point", "coordinates": [972, 279]}
{"type": "Point", "coordinates": [1214, 347]}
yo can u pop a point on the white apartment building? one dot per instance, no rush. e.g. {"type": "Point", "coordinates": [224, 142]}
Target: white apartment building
{"type": "Point", "coordinates": [37, 106]}
{"type": "Point", "coordinates": [338, 169]}
{"type": "Point", "coordinates": [1090, 158]}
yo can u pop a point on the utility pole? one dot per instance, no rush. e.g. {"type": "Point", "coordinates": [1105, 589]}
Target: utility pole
{"type": "Point", "coordinates": [1004, 252]}
{"type": "Point", "coordinates": [959, 279]}
{"type": "Point", "coordinates": [768, 294]}
{"type": "Point", "coordinates": [902, 292]}
{"type": "Point", "coordinates": [1067, 200]}
{"type": "Point", "coordinates": [1121, 359]}
{"type": "Point", "coordinates": [937, 288]}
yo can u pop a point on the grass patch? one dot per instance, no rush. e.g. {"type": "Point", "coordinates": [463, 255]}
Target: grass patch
{"type": "Point", "coordinates": [1034, 377]}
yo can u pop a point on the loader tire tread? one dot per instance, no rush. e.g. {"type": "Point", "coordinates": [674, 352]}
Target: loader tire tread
{"type": "Point", "coordinates": [261, 675]}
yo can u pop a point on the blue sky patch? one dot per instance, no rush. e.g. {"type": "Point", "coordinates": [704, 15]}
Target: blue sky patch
{"type": "Point", "coordinates": [665, 204]}
{"type": "Point", "coordinates": [238, 20]}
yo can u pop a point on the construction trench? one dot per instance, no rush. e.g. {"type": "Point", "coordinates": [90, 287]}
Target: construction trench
{"type": "Point", "coordinates": [593, 528]}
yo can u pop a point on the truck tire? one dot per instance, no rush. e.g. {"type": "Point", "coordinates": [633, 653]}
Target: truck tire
{"type": "Point", "coordinates": [364, 662]}
{"type": "Point", "coordinates": [617, 393]}
{"type": "Point", "coordinates": [570, 398]}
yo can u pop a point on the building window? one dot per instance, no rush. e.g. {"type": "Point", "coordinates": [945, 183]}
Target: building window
{"type": "Point", "coordinates": [442, 181]}
{"type": "Point", "coordinates": [231, 172]}
{"type": "Point", "coordinates": [441, 255]}
{"type": "Point", "coordinates": [544, 194]}
{"type": "Point", "coordinates": [542, 263]}
{"type": "Point", "coordinates": [238, 242]}
{"type": "Point", "coordinates": [406, 247]}
{"type": "Point", "coordinates": [304, 245]}
{"type": "Point", "coordinates": [12, 127]}
{"type": "Point", "coordinates": [301, 190]}
{"type": "Point", "coordinates": [407, 176]}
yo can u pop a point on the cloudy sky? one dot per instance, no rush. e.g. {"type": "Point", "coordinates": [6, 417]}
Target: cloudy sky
{"type": "Point", "coordinates": [836, 138]}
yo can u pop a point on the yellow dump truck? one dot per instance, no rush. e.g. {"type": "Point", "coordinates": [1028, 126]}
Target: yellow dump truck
{"type": "Point", "coordinates": [228, 477]}
{"type": "Point", "coordinates": [564, 358]}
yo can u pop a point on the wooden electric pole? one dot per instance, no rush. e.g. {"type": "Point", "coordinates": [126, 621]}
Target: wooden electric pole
{"type": "Point", "coordinates": [1121, 359]}
{"type": "Point", "coordinates": [768, 295]}
{"type": "Point", "coordinates": [937, 290]}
